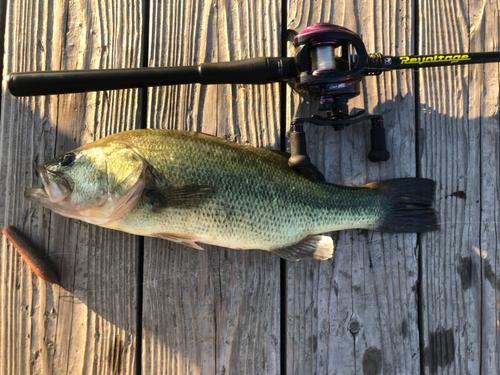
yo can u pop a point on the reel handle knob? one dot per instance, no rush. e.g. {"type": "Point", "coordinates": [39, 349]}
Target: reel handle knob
{"type": "Point", "coordinates": [377, 134]}
{"type": "Point", "coordinates": [299, 158]}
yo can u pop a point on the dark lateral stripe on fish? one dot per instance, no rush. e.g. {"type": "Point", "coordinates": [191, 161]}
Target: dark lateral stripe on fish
{"type": "Point", "coordinates": [38, 261]}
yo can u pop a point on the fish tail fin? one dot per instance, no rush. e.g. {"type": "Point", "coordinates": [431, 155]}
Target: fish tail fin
{"type": "Point", "coordinates": [407, 205]}
{"type": "Point", "coordinates": [312, 247]}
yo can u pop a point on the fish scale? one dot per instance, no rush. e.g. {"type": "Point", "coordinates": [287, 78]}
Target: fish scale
{"type": "Point", "coordinates": [195, 188]}
{"type": "Point", "coordinates": [269, 202]}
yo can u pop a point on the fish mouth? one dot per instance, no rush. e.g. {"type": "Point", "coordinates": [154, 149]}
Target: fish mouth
{"type": "Point", "coordinates": [56, 187]}
{"type": "Point", "coordinates": [37, 195]}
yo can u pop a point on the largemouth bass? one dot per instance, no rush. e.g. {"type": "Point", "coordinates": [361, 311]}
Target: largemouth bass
{"type": "Point", "coordinates": [194, 188]}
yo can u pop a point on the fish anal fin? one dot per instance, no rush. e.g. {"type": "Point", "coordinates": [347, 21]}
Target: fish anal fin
{"type": "Point", "coordinates": [311, 247]}
{"type": "Point", "coordinates": [185, 240]}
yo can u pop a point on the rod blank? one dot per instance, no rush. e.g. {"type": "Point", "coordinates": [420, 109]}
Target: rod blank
{"type": "Point", "coordinates": [445, 59]}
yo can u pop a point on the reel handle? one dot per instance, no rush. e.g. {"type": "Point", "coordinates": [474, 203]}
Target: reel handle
{"type": "Point", "coordinates": [298, 151]}
{"type": "Point", "coordinates": [377, 136]}
{"type": "Point", "coordinates": [252, 71]}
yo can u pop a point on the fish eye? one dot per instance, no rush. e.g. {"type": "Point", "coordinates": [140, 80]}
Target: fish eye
{"type": "Point", "coordinates": [68, 159]}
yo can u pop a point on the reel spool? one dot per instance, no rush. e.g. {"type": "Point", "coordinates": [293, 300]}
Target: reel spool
{"type": "Point", "coordinates": [330, 61]}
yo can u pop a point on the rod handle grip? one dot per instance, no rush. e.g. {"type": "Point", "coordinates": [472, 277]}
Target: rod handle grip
{"type": "Point", "coordinates": [259, 70]}
{"type": "Point", "coordinates": [73, 81]}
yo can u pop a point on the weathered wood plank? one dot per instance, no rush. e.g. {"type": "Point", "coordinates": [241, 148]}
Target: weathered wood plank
{"type": "Point", "coordinates": [178, 307]}
{"type": "Point", "coordinates": [357, 313]}
{"type": "Point", "coordinates": [220, 308]}
{"type": "Point", "coordinates": [45, 329]}
{"type": "Point", "coordinates": [218, 311]}
{"type": "Point", "coordinates": [459, 106]}
{"type": "Point", "coordinates": [485, 36]}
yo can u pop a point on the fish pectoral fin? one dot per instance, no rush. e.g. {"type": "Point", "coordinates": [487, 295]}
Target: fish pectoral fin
{"type": "Point", "coordinates": [185, 240]}
{"type": "Point", "coordinates": [311, 247]}
{"type": "Point", "coordinates": [179, 196]}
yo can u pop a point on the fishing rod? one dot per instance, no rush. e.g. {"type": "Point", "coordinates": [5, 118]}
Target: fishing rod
{"type": "Point", "coordinates": [329, 63]}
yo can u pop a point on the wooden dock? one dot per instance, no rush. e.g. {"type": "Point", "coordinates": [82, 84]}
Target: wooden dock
{"type": "Point", "coordinates": [384, 304]}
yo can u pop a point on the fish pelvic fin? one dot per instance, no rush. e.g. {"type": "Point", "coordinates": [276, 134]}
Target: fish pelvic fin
{"type": "Point", "coordinates": [407, 205]}
{"type": "Point", "coordinates": [311, 247]}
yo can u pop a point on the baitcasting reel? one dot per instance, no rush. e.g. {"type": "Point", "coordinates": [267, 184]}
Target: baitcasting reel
{"type": "Point", "coordinates": [330, 62]}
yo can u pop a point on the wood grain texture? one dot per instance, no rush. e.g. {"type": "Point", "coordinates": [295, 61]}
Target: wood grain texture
{"type": "Point", "coordinates": [45, 329]}
{"type": "Point", "coordinates": [358, 312]}
{"type": "Point", "coordinates": [484, 114]}
{"type": "Point", "coordinates": [385, 304]}
{"type": "Point", "coordinates": [485, 36]}
{"type": "Point", "coordinates": [220, 307]}
{"type": "Point", "coordinates": [459, 119]}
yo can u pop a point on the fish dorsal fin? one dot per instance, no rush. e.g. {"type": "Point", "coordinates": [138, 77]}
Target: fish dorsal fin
{"type": "Point", "coordinates": [185, 240]}
{"type": "Point", "coordinates": [311, 172]}
{"type": "Point", "coordinates": [312, 247]}
{"type": "Point", "coordinates": [179, 196]}
{"type": "Point", "coordinates": [279, 152]}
